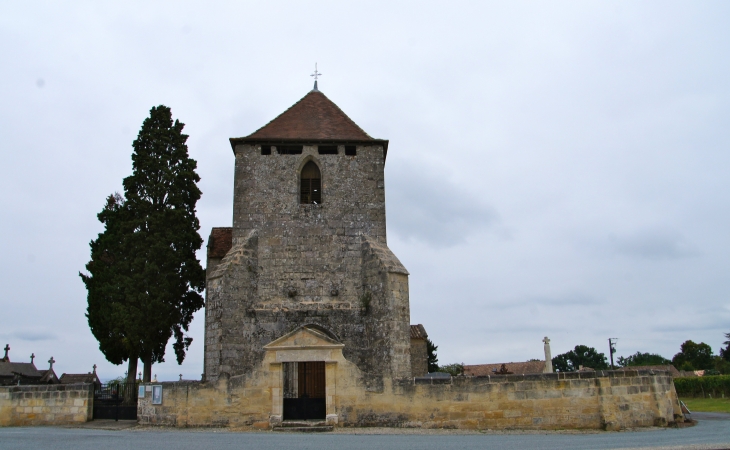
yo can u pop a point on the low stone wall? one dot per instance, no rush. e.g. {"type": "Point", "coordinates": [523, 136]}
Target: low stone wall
{"type": "Point", "coordinates": [55, 404]}
{"type": "Point", "coordinates": [609, 400]}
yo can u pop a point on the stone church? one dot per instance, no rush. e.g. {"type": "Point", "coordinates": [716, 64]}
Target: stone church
{"type": "Point", "coordinates": [307, 314]}
{"type": "Point", "coordinates": [308, 251]}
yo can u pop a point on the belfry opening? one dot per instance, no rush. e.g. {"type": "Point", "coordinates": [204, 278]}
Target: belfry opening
{"type": "Point", "coordinates": [311, 184]}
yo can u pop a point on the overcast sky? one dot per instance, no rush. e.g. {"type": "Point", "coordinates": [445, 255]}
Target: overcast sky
{"type": "Point", "coordinates": [555, 168]}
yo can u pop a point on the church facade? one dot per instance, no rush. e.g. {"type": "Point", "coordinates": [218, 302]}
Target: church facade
{"type": "Point", "coordinates": [307, 312]}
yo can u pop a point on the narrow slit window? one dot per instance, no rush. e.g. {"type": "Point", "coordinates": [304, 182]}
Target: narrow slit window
{"type": "Point", "coordinates": [350, 150]}
{"type": "Point", "coordinates": [327, 149]}
{"type": "Point", "coordinates": [311, 185]}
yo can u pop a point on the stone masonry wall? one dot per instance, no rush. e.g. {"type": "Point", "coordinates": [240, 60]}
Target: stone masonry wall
{"type": "Point", "coordinates": [419, 358]}
{"type": "Point", "coordinates": [603, 400]}
{"type": "Point", "coordinates": [292, 264]}
{"type": "Point", "coordinates": [55, 404]}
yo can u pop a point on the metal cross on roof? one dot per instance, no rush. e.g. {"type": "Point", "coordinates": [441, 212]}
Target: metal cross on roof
{"type": "Point", "coordinates": [51, 361]}
{"type": "Point", "coordinates": [7, 349]}
{"type": "Point", "coordinates": [315, 75]}
{"type": "Point", "coordinates": [32, 357]}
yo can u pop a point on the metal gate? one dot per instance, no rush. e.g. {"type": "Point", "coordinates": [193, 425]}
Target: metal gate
{"type": "Point", "coordinates": [116, 401]}
{"type": "Point", "coordinates": [304, 390]}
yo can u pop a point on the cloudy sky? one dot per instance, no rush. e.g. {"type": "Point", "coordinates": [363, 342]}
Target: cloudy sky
{"type": "Point", "coordinates": [555, 168]}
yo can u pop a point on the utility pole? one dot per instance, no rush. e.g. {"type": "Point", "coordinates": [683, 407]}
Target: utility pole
{"type": "Point", "coordinates": [612, 349]}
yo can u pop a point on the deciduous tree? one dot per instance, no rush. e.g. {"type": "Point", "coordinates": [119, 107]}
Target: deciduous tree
{"type": "Point", "coordinates": [582, 355]}
{"type": "Point", "coordinates": [452, 369]}
{"type": "Point", "coordinates": [694, 357]}
{"type": "Point", "coordinates": [725, 352]}
{"type": "Point", "coordinates": [643, 359]}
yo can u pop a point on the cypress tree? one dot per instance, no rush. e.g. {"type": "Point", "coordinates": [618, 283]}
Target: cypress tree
{"type": "Point", "coordinates": [433, 360]}
{"type": "Point", "coordinates": [159, 278]}
{"type": "Point", "coordinates": [108, 310]}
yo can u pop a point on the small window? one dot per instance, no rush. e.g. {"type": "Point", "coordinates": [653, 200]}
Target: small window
{"type": "Point", "coordinates": [327, 149]}
{"type": "Point", "coordinates": [350, 150]}
{"type": "Point", "coordinates": [311, 185]}
{"type": "Point", "coordinates": [265, 149]}
{"type": "Point", "coordinates": [289, 149]}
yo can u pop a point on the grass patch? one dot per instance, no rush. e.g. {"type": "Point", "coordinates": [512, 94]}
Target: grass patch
{"type": "Point", "coordinates": [707, 404]}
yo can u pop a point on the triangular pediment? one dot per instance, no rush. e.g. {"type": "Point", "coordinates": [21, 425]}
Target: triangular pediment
{"type": "Point", "coordinates": [304, 338]}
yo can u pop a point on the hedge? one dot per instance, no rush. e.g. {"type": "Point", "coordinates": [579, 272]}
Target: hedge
{"type": "Point", "coordinates": [711, 385]}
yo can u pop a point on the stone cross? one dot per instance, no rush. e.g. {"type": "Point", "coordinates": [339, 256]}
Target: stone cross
{"type": "Point", "coordinates": [7, 349]}
{"type": "Point", "coordinates": [32, 357]}
{"type": "Point", "coordinates": [51, 361]}
{"type": "Point", "coordinates": [180, 377]}
{"type": "Point", "coordinates": [94, 366]}
{"type": "Point", "coordinates": [548, 356]}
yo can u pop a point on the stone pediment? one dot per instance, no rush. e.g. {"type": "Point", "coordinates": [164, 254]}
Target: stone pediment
{"type": "Point", "coordinates": [304, 338]}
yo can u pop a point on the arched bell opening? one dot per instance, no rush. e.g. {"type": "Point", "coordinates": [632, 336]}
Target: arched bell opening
{"type": "Point", "coordinates": [310, 191]}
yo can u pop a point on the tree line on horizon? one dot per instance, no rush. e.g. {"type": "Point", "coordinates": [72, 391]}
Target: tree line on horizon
{"type": "Point", "coordinates": [692, 356]}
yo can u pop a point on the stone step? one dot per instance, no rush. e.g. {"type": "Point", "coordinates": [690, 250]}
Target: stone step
{"type": "Point", "coordinates": [304, 429]}
{"type": "Point", "coordinates": [303, 423]}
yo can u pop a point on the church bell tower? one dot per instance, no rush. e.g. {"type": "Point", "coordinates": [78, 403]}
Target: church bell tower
{"type": "Point", "coordinates": [308, 247]}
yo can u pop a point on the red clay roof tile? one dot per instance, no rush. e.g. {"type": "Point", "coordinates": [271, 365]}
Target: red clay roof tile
{"type": "Point", "coordinates": [418, 332]}
{"type": "Point", "coordinates": [313, 117]}
{"type": "Point", "coordinates": [219, 242]}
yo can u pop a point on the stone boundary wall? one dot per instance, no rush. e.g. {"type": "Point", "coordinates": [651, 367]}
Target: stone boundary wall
{"type": "Point", "coordinates": [608, 400]}
{"type": "Point", "coordinates": [55, 404]}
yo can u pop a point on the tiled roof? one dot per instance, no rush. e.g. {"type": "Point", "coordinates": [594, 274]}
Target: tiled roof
{"type": "Point", "coordinates": [313, 117]}
{"type": "Point", "coordinates": [418, 332]}
{"type": "Point", "coordinates": [514, 367]}
{"type": "Point", "coordinates": [25, 369]}
{"type": "Point", "coordinates": [73, 378]}
{"type": "Point", "coordinates": [48, 376]}
{"type": "Point", "coordinates": [219, 242]}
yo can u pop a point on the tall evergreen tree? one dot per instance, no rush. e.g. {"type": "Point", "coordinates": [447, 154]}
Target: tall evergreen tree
{"type": "Point", "coordinates": [161, 277]}
{"type": "Point", "coordinates": [433, 360]}
{"type": "Point", "coordinates": [108, 310]}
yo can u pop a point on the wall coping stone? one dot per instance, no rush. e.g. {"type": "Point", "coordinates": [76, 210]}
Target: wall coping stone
{"type": "Point", "coordinates": [513, 378]}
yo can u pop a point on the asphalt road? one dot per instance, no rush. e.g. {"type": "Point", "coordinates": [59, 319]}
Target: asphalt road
{"type": "Point", "coordinates": [711, 432]}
